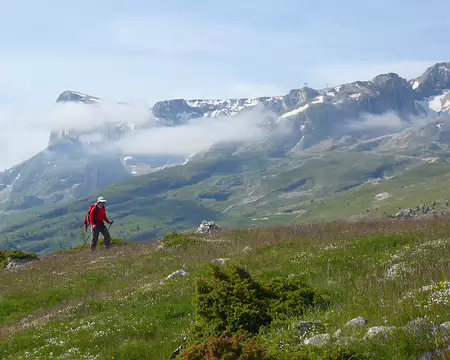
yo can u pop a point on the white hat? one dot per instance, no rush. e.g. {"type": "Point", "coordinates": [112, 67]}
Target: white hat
{"type": "Point", "coordinates": [101, 199]}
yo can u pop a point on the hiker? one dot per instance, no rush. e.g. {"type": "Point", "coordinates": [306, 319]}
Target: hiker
{"type": "Point", "coordinates": [96, 216]}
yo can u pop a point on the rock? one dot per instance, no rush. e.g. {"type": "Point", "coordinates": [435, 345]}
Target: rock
{"type": "Point", "coordinates": [15, 263]}
{"type": "Point", "coordinates": [320, 340]}
{"type": "Point", "coordinates": [357, 322]}
{"type": "Point", "coordinates": [221, 261]}
{"type": "Point", "coordinates": [379, 330]}
{"type": "Point", "coordinates": [307, 326]}
{"type": "Point", "coordinates": [338, 333]}
{"type": "Point", "coordinates": [247, 249]}
{"type": "Point", "coordinates": [208, 227]}
{"type": "Point", "coordinates": [178, 273]}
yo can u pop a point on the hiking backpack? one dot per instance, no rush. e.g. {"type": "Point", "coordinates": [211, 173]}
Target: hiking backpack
{"type": "Point", "coordinates": [87, 218]}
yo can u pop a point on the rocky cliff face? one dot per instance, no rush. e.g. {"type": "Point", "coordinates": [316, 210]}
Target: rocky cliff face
{"type": "Point", "coordinates": [316, 115]}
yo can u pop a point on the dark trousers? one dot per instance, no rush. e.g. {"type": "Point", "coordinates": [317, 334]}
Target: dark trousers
{"type": "Point", "coordinates": [96, 232]}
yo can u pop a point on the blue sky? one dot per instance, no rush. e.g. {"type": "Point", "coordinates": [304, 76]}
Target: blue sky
{"type": "Point", "coordinates": [139, 50]}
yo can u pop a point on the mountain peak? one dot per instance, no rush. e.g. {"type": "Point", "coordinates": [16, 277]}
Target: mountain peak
{"type": "Point", "coordinates": [70, 95]}
{"type": "Point", "coordinates": [434, 80]}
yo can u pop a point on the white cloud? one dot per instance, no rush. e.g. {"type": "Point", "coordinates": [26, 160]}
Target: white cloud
{"type": "Point", "coordinates": [197, 135]}
{"type": "Point", "coordinates": [388, 121]}
{"type": "Point", "coordinates": [26, 132]}
{"type": "Point", "coordinates": [79, 116]}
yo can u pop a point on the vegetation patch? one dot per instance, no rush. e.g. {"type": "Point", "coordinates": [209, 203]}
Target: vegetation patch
{"type": "Point", "coordinates": [230, 301]}
{"type": "Point", "coordinates": [176, 239]}
{"type": "Point", "coordinates": [15, 255]}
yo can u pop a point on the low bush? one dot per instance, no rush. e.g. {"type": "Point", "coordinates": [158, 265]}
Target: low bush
{"type": "Point", "coordinates": [177, 239]}
{"type": "Point", "coordinates": [231, 301]}
{"type": "Point", "coordinates": [15, 255]}
{"type": "Point", "coordinates": [226, 347]}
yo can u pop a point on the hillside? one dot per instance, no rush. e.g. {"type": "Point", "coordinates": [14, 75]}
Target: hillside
{"type": "Point", "coordinates": [235, 190]}
{"type": "Point", "coordinates": [392, 277]}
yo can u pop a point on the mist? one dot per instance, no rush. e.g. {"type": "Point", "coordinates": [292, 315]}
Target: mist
{"type": "Point", "coordinates": [388, 121]}
{"type": "Point", "coordinates": [26, 132]}
{"type": "Point", "coordinates": [198, 134]}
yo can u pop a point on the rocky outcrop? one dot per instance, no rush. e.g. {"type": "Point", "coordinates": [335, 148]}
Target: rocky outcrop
{"type": "Point", "coordinates": [423, 210]}
{"type": "Point", "coordinates": [208, 227]}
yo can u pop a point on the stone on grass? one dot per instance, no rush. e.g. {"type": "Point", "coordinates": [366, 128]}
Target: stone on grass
{"type": "Point", "coordinates": [222, 261]}
{"type": "Point", "coordinates": [15, 263]}
{"type": "Point", "coordinates": [307, 326]}
{"type": "Point", "coordinates": [208, 227]}
{"type": "Point", "coordinates": [338, 333]}
{"type": "Point", "coordinates": [379, 330]}
{"type": "Point", "coordinates": [320, 340]}
{"type": "Point", "coordinates": [357, 322]}
{"type": "Point", "coordinates": [178, 273]}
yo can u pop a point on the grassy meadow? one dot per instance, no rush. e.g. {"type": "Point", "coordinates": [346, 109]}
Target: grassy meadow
{"type": "Point", "coordinates": [120, 303]}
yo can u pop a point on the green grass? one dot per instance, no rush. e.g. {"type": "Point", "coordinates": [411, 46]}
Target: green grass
{"type": "Point", "coordinates": [119, 304]}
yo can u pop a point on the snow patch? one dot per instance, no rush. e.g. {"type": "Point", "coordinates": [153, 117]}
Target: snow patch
{"type": "Point", "coordinates": [318, 100]}
{"type": "Point", "coordinates": [330, 93]}
{"type": "Point", "coordinates": [337, 88]}
{"type": "Point", "coordinates": [435, 103]}
{"type": "Point", "coordinates": [415, 85]}
{"type": "Point", "coordinates": [355, 96]}
{"type": "Point", "coordinates": [126, 158]}
{"type": "Point", "coordinates": [294, 112]}
{"type": "Point", "coordinates": [382, 196]}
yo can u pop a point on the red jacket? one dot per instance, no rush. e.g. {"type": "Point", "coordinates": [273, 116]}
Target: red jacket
{"type": "Point", "coordinates": [97, 216]}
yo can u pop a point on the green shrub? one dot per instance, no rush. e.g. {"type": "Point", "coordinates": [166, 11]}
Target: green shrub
{"type": "Point", "coordinates": [225, 347]}
{"type": "Point", "coordinates": [16, 255]}
{"type": "Point", "coordinates": [231, 301]}
{"type": "Point", "coordinates": [176, 239]}
{"type": "Point", "coordinates": [114, 242]}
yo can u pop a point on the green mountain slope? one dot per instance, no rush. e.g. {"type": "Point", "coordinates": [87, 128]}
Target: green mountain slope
{"type": "Point", "coordinates": [236, 190]}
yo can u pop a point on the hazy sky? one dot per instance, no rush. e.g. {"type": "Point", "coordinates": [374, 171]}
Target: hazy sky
{"type": "Point", "coordinates": [145, 50]}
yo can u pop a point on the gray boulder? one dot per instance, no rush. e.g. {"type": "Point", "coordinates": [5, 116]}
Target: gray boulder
{"type": "Point", "coordinates": [208, 227]}
{"type": "Point", "coordinates": [357, 322]}
{"type": "Point", "coordinates": [320, 340]}
{"type": "Point", "coordinates": [379, 331]}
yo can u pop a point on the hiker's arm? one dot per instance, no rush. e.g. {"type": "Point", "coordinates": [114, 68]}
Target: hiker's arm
{"type": "Point", "coordinates": [91, 217]}
{"type": "Point", "coordinates": [106, 219]}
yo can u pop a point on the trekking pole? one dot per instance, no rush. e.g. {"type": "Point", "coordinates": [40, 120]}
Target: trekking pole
{"type": "Point", "coordinates": [87, 239]}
